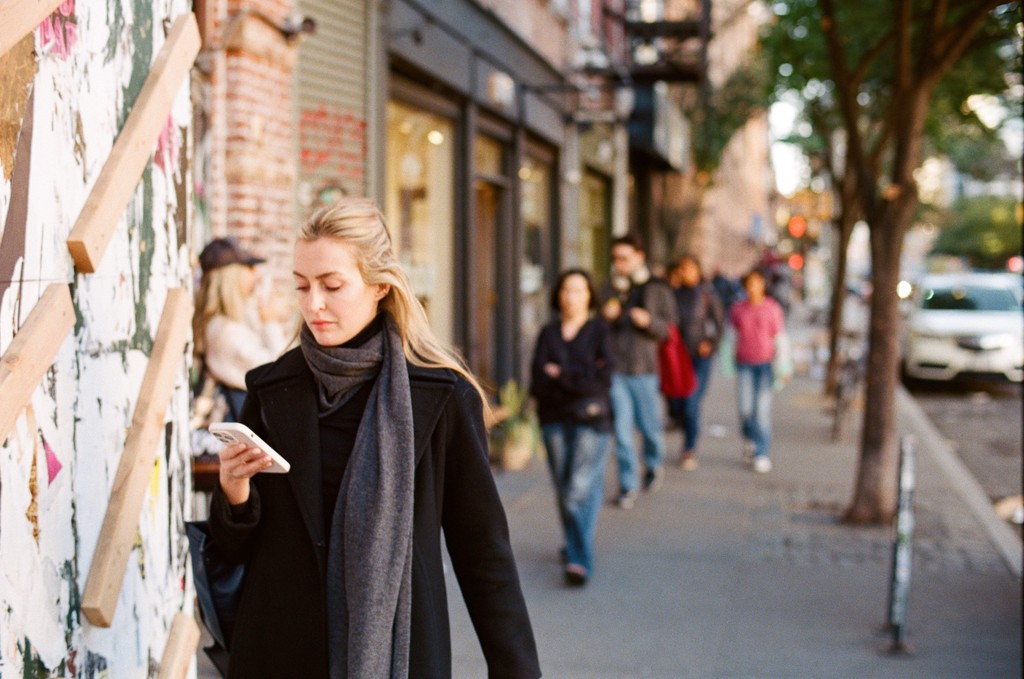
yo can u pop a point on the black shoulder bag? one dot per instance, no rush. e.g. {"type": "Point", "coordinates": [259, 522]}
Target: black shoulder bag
{"type": "Point", "coordinates": [218, 585]}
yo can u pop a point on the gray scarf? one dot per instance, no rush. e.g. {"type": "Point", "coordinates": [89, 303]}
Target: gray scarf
{"type": "Point", "coordinates": [369, 558]}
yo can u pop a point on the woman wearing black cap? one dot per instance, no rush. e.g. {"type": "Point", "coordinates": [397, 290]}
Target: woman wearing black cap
{"type": "Point", "coordinates": [234, 332]}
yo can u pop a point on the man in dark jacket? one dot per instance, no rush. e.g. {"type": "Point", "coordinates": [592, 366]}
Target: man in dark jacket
{"type": "Point", "coordinates": [640, 309]}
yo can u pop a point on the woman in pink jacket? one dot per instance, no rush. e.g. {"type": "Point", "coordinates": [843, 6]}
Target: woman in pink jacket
{"type": "Point", "coordinates": [757, 321]}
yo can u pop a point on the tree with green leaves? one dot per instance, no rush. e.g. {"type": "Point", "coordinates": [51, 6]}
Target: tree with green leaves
{"type": "Point", "coordinates": [798, 63]}
{"type": "Point", "coordinates": [879, 73]}
{"type": "Point", "coordinates": [984, 231]}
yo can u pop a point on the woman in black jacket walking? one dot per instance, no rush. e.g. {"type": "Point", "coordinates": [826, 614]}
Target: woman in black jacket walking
{"type": "Point", "coordinates": [701, 320]}
{"type": "Point", "coordinates": [572, 368]}
{"type": "Point", "coordinates": [384, 431]}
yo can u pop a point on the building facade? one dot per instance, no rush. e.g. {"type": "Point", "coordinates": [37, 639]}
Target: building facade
{"type": "Point", "coordinates": [503, 140]}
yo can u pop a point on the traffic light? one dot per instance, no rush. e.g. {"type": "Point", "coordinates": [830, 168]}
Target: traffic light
{"type": "Point", "coordinates": [797, 226]}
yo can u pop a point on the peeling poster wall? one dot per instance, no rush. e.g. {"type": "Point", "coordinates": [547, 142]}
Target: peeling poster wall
{"type": "Point", "coordinates": [65, 92]}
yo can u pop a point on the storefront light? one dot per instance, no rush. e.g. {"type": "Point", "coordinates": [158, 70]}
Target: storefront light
{"type": "Point", "coordinates": [435, 137]}
{"type": "Point", "coordinates": [501, 89]}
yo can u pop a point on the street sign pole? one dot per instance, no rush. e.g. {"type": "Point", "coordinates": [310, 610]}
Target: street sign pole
{"type": "Point", "coordinates": [902, 549]}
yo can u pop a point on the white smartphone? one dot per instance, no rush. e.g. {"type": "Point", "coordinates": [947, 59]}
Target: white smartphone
{"type": "Point", "coordinates": [234, 432]}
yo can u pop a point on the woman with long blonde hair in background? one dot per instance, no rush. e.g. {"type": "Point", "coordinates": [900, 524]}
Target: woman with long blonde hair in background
{"type": "Point", "coordinates": [233, 329]}
{"type": "Point", "coordinates": [383, 426]}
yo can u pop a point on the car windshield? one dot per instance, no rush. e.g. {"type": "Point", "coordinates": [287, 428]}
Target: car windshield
{"type": "Point", "coordinates": [970, 298]}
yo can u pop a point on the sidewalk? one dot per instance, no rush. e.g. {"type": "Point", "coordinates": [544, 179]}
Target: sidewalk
{"type": "Point", "coordinates": [727, 573]}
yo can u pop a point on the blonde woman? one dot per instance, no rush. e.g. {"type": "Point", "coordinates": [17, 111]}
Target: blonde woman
{"type": "Point", "coordinates": [234, 331]}
{"type": "Point", "coordinates": [383, 427]}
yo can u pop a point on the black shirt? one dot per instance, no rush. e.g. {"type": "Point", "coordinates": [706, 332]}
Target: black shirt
{"type": "Point", "coordinates": [338, 430]}
{"type": "Point", "coordinates": [586, 363]}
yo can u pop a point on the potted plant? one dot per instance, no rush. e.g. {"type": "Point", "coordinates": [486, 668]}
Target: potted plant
{"type": "Point", "coordinates": [516, 432]}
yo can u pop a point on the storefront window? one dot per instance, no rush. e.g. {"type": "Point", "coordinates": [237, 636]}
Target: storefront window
{"type": "Point", "coordinates": [419, 206]}
{"type": "Point", "coordinates": [535, 208]}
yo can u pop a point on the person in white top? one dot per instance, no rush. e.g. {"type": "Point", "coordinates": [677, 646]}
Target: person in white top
{"type": "Point", "coordinates": [234, 330]}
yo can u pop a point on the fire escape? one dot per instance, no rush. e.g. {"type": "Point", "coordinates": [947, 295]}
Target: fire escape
{"type": "Point", "coordinates": [663, 58]}
{"type": "Point", "coordinates": [665, 50]}
{"type": "Point", "coordinates": [639, 65]}
{"type": "Point", "coordinates": [658, 51]}
{"type": "Point", "coordinates": [642, 50]}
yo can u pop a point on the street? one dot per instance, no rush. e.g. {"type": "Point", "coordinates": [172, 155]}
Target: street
{"type": "Point", "coordinates": [725, 573]}
{"type": "Point", "coordinates": [982, 421]}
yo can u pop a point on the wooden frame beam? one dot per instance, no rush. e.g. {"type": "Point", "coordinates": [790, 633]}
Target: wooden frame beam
{"type": "Point", "coordinates": [180, 648]}
{"type": "Point", "coordinates": [117, 535]}
{"type": "Point", "coordinates": [32, 351]}
{"type": "Point", "coordinates": [19, 17]}
{"type": "Point", "coordinates": [121, 172]}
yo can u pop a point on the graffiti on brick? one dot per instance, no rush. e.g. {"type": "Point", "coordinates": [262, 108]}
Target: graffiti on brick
{"type": "Point", "coordinates": [332, 142]}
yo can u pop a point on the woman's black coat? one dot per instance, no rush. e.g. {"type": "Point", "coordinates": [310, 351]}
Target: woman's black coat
{"type": "Point", "coordinates": [281, 630]}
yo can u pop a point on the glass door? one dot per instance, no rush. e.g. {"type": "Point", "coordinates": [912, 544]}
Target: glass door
{"type": "Point", "coordinates": [595, 224]}
{"type": "Point", "coordinates": [483, 283]}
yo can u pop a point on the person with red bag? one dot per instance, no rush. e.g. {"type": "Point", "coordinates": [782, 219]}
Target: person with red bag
{"type": "Point", "coordinates": [701, 321]}
{"type": "Point", "coordinates": [640, 310]}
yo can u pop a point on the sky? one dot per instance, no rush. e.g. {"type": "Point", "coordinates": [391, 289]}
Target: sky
{"type": "Point", "coordinates": [789, 164]}
{"type": "Point", "coordinates": [791, 169]}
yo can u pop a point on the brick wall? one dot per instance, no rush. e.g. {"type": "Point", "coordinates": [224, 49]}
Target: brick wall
{"type": "Point", "coordinates": [250, 181]}
{"type": "Point", "coordinates": [332, 150]}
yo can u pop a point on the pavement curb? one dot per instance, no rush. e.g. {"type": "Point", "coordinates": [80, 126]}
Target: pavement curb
{"type": "Point", "coordinates": [1002, 536]}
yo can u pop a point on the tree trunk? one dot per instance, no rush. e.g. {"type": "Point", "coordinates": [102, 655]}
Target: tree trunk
{"type": "Point", "coordinates": [889, 209]}
{"type": "Point", "coordinates": [875, 497]}
{"type": "Point", "coordinates": [844, 229]}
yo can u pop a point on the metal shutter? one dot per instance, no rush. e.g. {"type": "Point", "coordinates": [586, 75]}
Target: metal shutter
{"type": "Point", "coordinates": [331, 101]}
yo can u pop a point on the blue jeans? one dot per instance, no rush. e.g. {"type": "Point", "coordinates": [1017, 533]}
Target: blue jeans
{"type": "Point", "coordinates": [235, 399]}
{"type": "Point", "coordinates": [686, 411]}
{"type": "Point", "coordinates": [576, 456]}
{"type": "Point", "coordinates": [635, 402]}
{"type": "Point", "coordinates": [754, 395]}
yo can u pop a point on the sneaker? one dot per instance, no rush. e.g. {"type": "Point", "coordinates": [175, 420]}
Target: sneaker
{"type": "Point", "coordinates": [748, 451]}
{"type": "Point", "coordinates": [762, 465]}
{"type": "Point", "coordinates": [626, 499]}
{"type": "Point", "coordinates": [654, 479]}
{"type": "Point", "coordinates": [575, 575]}
{"type": "Point", "coordinates": [688, 462]}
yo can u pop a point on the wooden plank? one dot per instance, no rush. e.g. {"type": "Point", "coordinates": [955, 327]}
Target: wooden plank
{"type": "Point", "coordinates": [121, 172]}
{"type": "Point", "coordinates": [117, 535]}
{"type": "Point", "coordinates": [180, 648]}
{"type": "Point", "coordinates": [19, 17]}
{"type": "Point", "coordinates": [32, 351]}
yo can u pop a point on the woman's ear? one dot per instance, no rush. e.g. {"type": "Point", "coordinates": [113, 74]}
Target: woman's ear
{"type": "Point", "coordinates": [382, 290]}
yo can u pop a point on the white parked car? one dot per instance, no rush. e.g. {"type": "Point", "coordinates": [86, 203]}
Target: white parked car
{"type": "Point", "coordinates": [965, 324]}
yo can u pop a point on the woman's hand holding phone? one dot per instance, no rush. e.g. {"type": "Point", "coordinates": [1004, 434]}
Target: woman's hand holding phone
{"type": "Point", "coordinates": [239, 462]}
